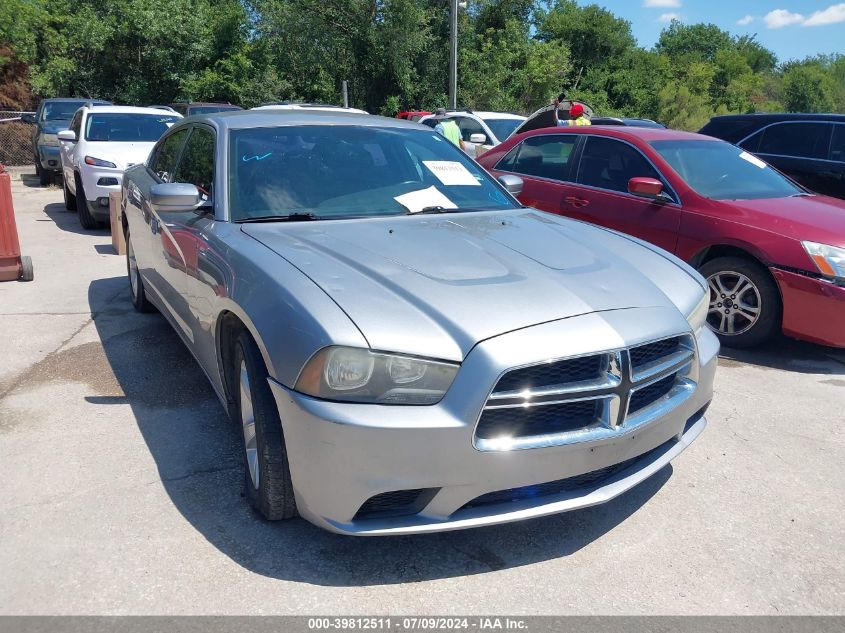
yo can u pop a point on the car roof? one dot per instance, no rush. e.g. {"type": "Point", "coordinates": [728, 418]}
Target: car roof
{"type": "Point", "coordinates": [771, 117]}
{"type": "Point", "coordinates": [75, 100]}
{"type": "Point", "coordinates": [113, 109]}
{"type": "Point", "coordinates": [645, 134]}
{"type": "Point", "coordinates": [498, 115]}
{"type": "Point", "coordinates": [270, 117]}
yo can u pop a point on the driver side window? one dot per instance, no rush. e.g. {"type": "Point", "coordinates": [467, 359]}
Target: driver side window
{"type": "Point", "coordinates": [469, 127]}
{"type": "Point", "coordinates": [165, 154]}
{"type": "Point", "coordinates": [197, 163]}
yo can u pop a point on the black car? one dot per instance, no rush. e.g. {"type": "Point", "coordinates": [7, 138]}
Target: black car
{"type": "Point", "coordinates": [810, 148]}
{"type": "Point", "coordinates": [52, 116]}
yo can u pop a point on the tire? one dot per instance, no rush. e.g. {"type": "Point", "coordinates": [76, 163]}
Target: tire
{"type": "Point", "coordinates": [744, 297]}
{"type": "Point", "coordinates": [136, 284]}
{"type": "Point", "coordinates": [267, 480]}
{"type": "Point", "coordinates": [70, 199]}
{"type": "Point", "coordinates": [86, 219]}
{"type": "Point", "coordinates": [27, 273]}
{"type": "Point", "coordinates": [45, 178]}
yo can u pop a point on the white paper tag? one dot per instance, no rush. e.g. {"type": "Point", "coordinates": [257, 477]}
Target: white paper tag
{"type": "Point", "coordinates": [753, 160]}
{"type": "Point", "coordinates": [451, 172]}
{"type": "Point", "coordinates": [416, 201]}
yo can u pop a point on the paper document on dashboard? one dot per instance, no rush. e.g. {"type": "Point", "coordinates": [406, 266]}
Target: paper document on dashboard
{"type": "Point", "coordinates": [416, 201]}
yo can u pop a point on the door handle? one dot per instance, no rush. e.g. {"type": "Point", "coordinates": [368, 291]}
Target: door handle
{"type": "Point", "coordinates": [576, 202]}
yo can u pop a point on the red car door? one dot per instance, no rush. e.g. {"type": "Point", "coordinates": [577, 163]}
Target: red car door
{"type": "Point", "coordinates": [544, 164]}
{"type": "Point", "coordinates": [599, 193]}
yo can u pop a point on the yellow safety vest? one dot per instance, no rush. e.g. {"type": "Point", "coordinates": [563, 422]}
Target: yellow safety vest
{"type": "Point", "coordinates": [581, 120]}
{"type": "Point", "coordinates": [452, 132]}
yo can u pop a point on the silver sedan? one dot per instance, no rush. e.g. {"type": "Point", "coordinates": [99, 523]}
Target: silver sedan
{"type": "Point", "coordinates": [404, 346]}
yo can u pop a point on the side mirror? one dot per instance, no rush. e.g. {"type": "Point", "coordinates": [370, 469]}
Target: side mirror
{"type": "Point", "coordinates": [67, 135]}
{"type": "Point", "coordinates": [645, 187]}
{"type": "Point", "coordinates": [175, 197]}
{"type": "Point", "coordinates": [478, 138]}
{"type": "Point", "coordinates": [28, 118]}
{"type": "Point", "coordinates": [512, 183]}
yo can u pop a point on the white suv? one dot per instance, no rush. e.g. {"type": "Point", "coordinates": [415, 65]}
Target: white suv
{"type": "Point", "coordinates": [481, 131]}
{"type": "Point", "coordinates": [102, 141]}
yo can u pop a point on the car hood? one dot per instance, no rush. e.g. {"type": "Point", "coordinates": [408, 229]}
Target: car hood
{"type": "Point", "coordinates": [121, 154]}
{"type": "Point", "coordinates": [437, 285]}
{"type": "Point", "coordinates": [815, 218]}
{"type": "Point", "coordinates": [54, 126]}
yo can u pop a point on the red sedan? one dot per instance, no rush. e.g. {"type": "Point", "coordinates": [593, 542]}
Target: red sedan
{"type": "Point", "coordinates": [773, 253]}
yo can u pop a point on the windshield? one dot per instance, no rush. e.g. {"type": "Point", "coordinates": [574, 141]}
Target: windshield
{"type": "Point", "coordinates": [127, 127]}
{"type": "Point", "coordinates": [502, 128]}
{"type": "Point", "coordinates": [60, 110]}
{"type": "Point", "coordinates": [721, 171]}
{"type": "Point", "coordinates": [349, 171]}
{"type": "Point", "coordinates": [210, 109]}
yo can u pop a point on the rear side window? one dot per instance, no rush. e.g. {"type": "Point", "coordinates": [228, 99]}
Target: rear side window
{"type": "Point", "coordinates": [545, 156]}
{"type": "Point", "coordinates": [197, 163]}
{"type": "Point", "coordinates": [610, 164]}
{"type": "Point", "coordinates": [803, 140]}
{"type": "Point", "coordinates": [165, 154]}
{"type": "Point", "coordinates": [837, 145]}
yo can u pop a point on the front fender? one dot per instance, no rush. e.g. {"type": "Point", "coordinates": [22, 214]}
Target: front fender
{"type": "Point", "coordinates": [287, 314]}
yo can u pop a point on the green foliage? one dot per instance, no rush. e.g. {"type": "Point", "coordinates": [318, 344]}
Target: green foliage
{"type": "Point", "coordinates": [513, 55]}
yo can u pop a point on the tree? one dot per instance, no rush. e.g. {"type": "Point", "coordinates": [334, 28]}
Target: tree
{"type": "Point", "coordinates": [807, 88]}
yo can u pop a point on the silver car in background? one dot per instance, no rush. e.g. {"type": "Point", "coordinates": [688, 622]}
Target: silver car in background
{"type": "Point", "coordinates": [404, 347]}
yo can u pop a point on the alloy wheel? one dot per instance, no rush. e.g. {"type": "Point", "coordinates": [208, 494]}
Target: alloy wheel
{"type": "Point", "coordinates": [133, 268]}
{"type": "Point", "coordinates": [735, 303]}
{"type": "Point", "coordinates": [248, 426]}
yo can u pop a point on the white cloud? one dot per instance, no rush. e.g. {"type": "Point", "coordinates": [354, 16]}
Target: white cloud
{"type": "Point", "coordinates": [668, 17]}
{"type": "Point", "coordinates": [662, 4]}
{"type": "Point", "coordinates": [834, 14]}
{"type": "Point", "coordinates": [748, 19]}
{"type": "Point", "coordinates": [781, 17]}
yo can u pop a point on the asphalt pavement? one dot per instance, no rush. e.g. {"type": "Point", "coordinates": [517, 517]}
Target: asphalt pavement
{"type": "Point", "coordinates": [120, 484]}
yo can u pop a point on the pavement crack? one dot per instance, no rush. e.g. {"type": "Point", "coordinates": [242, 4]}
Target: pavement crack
{"type": "Point", "coordinates": [196, 473]}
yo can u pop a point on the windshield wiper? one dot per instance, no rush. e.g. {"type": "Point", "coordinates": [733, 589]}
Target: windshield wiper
{"type": "Point", "coordinates": [441, 209]}
{"type": "Point", "coordinates": [800, 194]}
{"type": "Point", "coordinates": [291, 217]}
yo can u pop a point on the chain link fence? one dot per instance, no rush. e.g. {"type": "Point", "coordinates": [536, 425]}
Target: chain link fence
{"type": "Point", "coordinates": [15, 139]}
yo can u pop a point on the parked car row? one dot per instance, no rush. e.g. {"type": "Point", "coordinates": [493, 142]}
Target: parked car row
{"type": "Point", "coordinates": [404, 346]}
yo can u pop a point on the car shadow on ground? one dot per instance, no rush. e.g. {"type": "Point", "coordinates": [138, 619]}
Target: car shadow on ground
{"type": "Point", "coordinates": [69, 220]}
{"type": "Point", "coordinates": [788, 354]}
{"type": "Point", "coordinates": [196, 450]}
{"type": "Point", "coordinates": [31, 180]}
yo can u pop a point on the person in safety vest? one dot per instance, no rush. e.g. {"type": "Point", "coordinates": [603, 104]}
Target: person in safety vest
{"type": "Point", "coordinates": [577, 116]}
{"type": "Point", "coordinates": [448, 128]}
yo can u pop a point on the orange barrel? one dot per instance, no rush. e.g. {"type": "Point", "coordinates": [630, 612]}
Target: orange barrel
{"type": "Point", "coordinates": [12, 265]}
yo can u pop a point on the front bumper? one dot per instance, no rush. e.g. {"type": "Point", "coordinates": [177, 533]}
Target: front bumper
{"type": "Point", "coordinates": [813, 309]}
{"type": "Point", "coordinates": [97, 192]}
{"type": "Point", "coordinates": [49, 157]}
{"type": "Point", "coordinates": [343, 454]}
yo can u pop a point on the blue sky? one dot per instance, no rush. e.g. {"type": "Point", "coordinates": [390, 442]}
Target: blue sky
{"type": "Point", "coordinates": [791, 28]}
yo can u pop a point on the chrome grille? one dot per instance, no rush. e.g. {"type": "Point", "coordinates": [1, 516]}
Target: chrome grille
{"type": "Point", "coordinates": [558, 401]}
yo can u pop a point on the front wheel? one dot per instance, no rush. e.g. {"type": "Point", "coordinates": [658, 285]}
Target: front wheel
{"type": "Point", "coordinates": [136, 284]}
{"type": "Point", "coordinates": [745, 306]}
{"type": "Point", "coordinates": [70, 199]}
{"type": "Point", "coordinates": [267, 477]}
{"type": "Point", "coordinates": [86, 218]}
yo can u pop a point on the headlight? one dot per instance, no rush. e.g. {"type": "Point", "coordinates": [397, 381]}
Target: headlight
{"type": "Point", "coordinates": [830, 260]}
{"type": "Point", "coordinates": [359, 375]}
{"type": "Point", "coordinates": [698, 317]}
{"type": "Point", "coordinates": [49, 139]}
{"type": "Point", "coordinates": [98, 162]}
